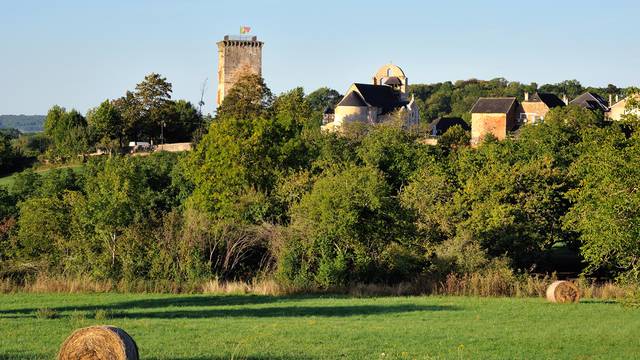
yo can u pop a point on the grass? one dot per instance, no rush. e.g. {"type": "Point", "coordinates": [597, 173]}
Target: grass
{"type": "Point", "coordinates": [8, 180]}
{"type": "Point", "coordinates": [197, 327]}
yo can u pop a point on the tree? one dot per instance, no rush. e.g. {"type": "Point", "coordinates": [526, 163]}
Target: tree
{"type": "Point", "coordinates": [454, 138]}
{"type": "Point", "coordinates": [130, 111]}
{"type": "Point", "coordinates": [248, 98]}
{"type": "Point", "coordinates": [107, 126]}
{"type": "Point", "coordinates": [570, 88]}
{"type": "Point", "coordinates": [392, 150]}
{"type": "Point", "coordinates": [68, 132]}
{"type": "Point", "coordinates": [322, 98]}
{"type": "Point", "coordinates": [43, 229]}
{"type": "Point", "coordinates": [154, 96]}
{"type": "Point", "coordinates": [182, 122]}
{"type": "Point", "coordinates": [341, 229]}
{"type": "Point", "coordinates": [7, 155]}
{"type": "Point", "coordinates": [148, 110]}
{"type": "Point", "coordinates": [606, 205]}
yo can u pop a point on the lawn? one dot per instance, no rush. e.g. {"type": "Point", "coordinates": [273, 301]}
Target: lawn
{"type": "Point", "coordinates": [198, 327]}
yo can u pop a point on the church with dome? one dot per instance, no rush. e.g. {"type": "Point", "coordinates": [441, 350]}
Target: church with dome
{"type": "Point", "coordinates": [375, 103]}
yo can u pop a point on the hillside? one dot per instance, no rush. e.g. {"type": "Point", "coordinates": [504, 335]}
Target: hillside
{"type": "Point", "coordinates": [24, 123]}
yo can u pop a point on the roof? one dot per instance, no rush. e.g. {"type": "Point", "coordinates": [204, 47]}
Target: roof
{"type": "Point", "coordinates": [493, 105]}
{"type": "Point", "coordinates": [441, 125]}
{"type": "Point", "coordinates": [380, 96]}
{"type": "Point", "coordinates": [394, 80]}
{"type": "Point", "coordinates": [591, 101]}
{"type": "Point", "coordinates": [551, 100]}
{"type": "Point", "coordinates": [352, 99]}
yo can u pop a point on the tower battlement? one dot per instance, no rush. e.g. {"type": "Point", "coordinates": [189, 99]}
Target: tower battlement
{"type": "Point", "coordinates": [237, 57]}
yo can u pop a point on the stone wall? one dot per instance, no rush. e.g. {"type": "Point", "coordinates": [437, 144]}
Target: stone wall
{"type": "Point", "coordinates": [237, 58]}
{"type": "Point", "coordinates": [483, 124]}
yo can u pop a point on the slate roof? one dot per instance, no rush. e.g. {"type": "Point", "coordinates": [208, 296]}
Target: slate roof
{"type": "Point", "coordinates": [440, 125]}
{"type": "Point", "coordinates": [493, 105]}
{"type": "Point", "coordinates": [380, 96]}
{"type": "Point", "coordinates": [551, 100]}
{"type": "Point", "coordinates": [394, 80]}
{"type": "Point", "coordinates": [591, 101]}
{"type": "Point", "coordinates": [352, 99]}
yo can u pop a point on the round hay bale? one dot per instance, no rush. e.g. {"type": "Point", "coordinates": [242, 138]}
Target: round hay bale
{"type": "Point", "coordinates": [563, 292]}
{"type": "Point", "coordinates": [99, 343]}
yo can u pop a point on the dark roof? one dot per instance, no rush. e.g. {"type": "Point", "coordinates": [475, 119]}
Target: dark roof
{"type": "Point", "coordinates": [440, 125]}
{"type": "Point", "coordinates": [352, 99]}
{"type": "Point", "coordinates": [394, 80]}
{"type": "Point", "coordinates": [381, 96]}
{"type": "Point", "coordinates": [591, 101]}
{"type": "Point", "coordinates": [551, 100]}
{"type": "Point", "coordinates": [493, 105]}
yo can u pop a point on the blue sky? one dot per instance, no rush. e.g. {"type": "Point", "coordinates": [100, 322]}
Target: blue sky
{"type": "Point", "coordinates": [78, 53]}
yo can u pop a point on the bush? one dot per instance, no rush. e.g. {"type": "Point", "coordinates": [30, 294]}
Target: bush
{"type": "Point", "coordinates": [46, 313]}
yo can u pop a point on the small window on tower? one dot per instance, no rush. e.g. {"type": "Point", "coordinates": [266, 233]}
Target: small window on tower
{"type": "Point", "coordinates": [388, 72]}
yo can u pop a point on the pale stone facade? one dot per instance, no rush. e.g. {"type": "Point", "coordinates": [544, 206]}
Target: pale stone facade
{"type": "Point", "coordinates": [237, 56]}
{"type": "Point", "coordinates": [388, 74]}
{"type": "Point", "coordinates": [619, 109]}
{"type": "Point", "coordinates": [535, 108]}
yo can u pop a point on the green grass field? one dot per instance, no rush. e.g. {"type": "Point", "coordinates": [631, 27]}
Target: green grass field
{"type": "Point", "coordinates": [194, 327]}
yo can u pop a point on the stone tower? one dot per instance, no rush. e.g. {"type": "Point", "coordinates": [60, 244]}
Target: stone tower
{"type": "Point", "coordinates": [237, 56]}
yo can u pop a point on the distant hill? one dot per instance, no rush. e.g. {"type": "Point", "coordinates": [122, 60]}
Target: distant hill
{"type": "Point", "coordinates": [24, 123]}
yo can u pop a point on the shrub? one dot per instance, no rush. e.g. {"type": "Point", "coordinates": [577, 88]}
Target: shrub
{"type": "Point", "coordinates": [46, 313]}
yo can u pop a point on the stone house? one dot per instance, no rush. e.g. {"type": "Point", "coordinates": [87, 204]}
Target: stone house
{"type": "Point", "coordinates": [496, 116]}
{"type": "Point", "coordinates": [619, 109]}
{"type": "Point", "coordinates": [536, 107]}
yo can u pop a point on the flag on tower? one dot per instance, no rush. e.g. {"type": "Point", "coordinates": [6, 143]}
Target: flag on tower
{"type": "Point", "coordinates": [245, 29]}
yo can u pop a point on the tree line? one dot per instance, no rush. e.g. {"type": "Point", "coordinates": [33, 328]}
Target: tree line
{"type": "Point", "coordinates": [457, 98]}
{"type": "Point", "coordinates": [266, 193]}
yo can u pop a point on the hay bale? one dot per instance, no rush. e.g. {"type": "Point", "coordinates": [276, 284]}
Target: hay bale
{"type": "Point", "coordinates": [563, 292]}
{"type": "Point", "coordinates": [99, 343]}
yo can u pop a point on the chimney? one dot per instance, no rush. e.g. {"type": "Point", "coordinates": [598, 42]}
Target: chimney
{"type": "Point", "coordinates": [610, 99]}
{"type": "Point", "coordinates": [565, 99]}
{"type": "Point", "coordinates": [526, 96]}
{"type": "Point", "coordinates": [617, 98]}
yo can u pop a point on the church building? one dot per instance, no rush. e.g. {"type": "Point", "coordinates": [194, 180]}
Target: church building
{"type": "Point", "coordinates": [375, 103]}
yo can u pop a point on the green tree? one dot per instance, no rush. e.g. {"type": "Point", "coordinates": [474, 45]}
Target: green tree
{"type": "Point", "coordinates": [68, 132]}
{"type": "Point", "coordinates": [7, 156]}
{"type": "Point", "coordinates": [182, 122]}
{"type": "Point", "coordinates": [606, 205]}
{"type": "Point", "coordinates": [322, 98]}
{"type": "Point", "coordinates": [392, 150]}
{"type": "Point", "coordinates": [454, 138]}
{"type": "Point", "coordinates": [107, 126]}
{"type": "Point", "coordinates": [43, 229]}
{"type": "Point", "coordinates": [341, 229]}
{"type": "Point", "coordinates": [248, 98]}
{"type": "Point", "coordinates": [154, 97]}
